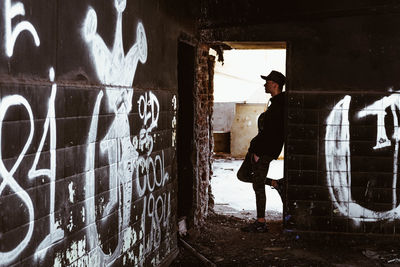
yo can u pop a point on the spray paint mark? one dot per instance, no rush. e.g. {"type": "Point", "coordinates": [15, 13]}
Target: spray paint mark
{"type": "Point", "coordinates": [71, 191]}
{"type": "Point", "coordinates": [11, 34]}
{"type": "Point", "coordinates": [337, 157]}
{"type": "Point", "coordinates": [55, 233]}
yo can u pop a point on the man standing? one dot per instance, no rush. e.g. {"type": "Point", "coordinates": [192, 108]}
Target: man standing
{"type": "Point", "coordinates": [265, 147]}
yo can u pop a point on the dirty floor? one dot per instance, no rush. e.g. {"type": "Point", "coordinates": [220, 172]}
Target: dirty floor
{"type": "Point", "coordinates": [234, 197]}
{"type": "Point", "coordinates": [222, 243]}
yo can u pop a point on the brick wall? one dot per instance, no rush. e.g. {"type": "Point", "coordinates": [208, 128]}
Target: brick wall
{"type": "Point", "coordinates": [87, 110]}
{"type": "Point", "coordinates": [203, 133]}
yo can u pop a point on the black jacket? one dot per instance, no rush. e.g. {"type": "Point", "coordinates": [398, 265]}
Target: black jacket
{"type": "Point", "coordinates": [270, 137]}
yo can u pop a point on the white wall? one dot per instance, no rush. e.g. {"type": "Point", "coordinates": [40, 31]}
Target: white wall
{"type": "Point", "coordinates": [238, 79]}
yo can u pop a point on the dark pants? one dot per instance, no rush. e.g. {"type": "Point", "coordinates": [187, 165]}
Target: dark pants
{"type": "Point", "coordinates": [256, 173]}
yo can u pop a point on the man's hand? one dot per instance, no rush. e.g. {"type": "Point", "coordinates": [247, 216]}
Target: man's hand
{"type": "Point", "coordinates": [255, 157]}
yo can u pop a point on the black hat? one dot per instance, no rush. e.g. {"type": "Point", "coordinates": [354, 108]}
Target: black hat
{"type": "Point", "coordinates": [275, 76]}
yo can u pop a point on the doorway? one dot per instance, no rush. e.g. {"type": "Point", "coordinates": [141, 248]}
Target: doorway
{"type": "Point", "coordinates": [186, 78]}
{"type": "Point", "coordinates": [239, 98]}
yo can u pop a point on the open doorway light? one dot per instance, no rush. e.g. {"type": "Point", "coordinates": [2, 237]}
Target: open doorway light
{"type": "Point", "coordinates": [239, 98]}
{"type": "Point", "coordinates": [238, 80]}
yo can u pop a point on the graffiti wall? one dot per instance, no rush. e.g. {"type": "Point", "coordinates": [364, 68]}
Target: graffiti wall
{"type": "Point", "coordinates": [342, 143]}
{"type": "Point", "coordinates": [341, 150]}
{"type": "Point", "coordinates": [87, 176]}
{"type": "Point", "coordinates": [345, 180]}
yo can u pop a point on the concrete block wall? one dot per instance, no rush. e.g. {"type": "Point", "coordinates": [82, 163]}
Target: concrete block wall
{"type": "Point", "coordinates": [342, 163]}
{"type": "Point", "coordinates": [341, 146]}
{"type": "Point", "coordinates": [87, 110]}
{"type": "Point", "coordinates": [341, 158]}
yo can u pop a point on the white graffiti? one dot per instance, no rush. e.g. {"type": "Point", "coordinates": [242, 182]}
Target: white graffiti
{"type": "Point", "coordinates": [55, 233]}
{"type": "Point", "coordinates": [378, 108]}
{"type": "Point", "coordinates": [148, 169]}
{"type": "Point", "coordinates": [149, 111]}
{"type": "Point", "coordinates": [152, 205]}
{"type": "Point", "coordinates": [151, 208]}
{"type": "Point", "coordinates": [173, 123]}
{"type": "Point", "coordinates": [114, 68]}
{"type": "Point", "coordinates": [152, 171]}
{"type": "Point", "coordinates": [7, 176]}
{"type": "Point", "coordinates": [11, 34]}
{"type": "Point", "coordinates": [116, 71]}
{"type": "Point", "coordinates": [338, 164]}
{"type": "Point", "coordinates": [127, 157]}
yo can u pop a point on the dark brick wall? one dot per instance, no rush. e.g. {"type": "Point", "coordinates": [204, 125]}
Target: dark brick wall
{"type": "Point", "coordinates": [203, 133]}
{"type": "Point", "coordinates": [341, 157]}
{"type": "Point", "coordinates": [87, 111]}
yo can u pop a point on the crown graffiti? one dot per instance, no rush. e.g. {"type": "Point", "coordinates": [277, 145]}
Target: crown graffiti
{"type": "Point", "coordinates": [114, 67]}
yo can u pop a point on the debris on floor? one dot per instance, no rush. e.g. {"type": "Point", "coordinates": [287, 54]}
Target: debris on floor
{"type": "Point", "coordinates": [222, 243]}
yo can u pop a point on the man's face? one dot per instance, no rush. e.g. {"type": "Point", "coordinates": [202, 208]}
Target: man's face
{"type": "Point", "coordinates": [270, 87]}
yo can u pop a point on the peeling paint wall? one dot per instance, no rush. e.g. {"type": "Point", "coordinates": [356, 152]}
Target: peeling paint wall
{"type": "Point", "coordinates": [244, 127]}
{"type": "Point", "coordinates": [203, 132]}
{"type": "Point", "coordinates": [87, 132]}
